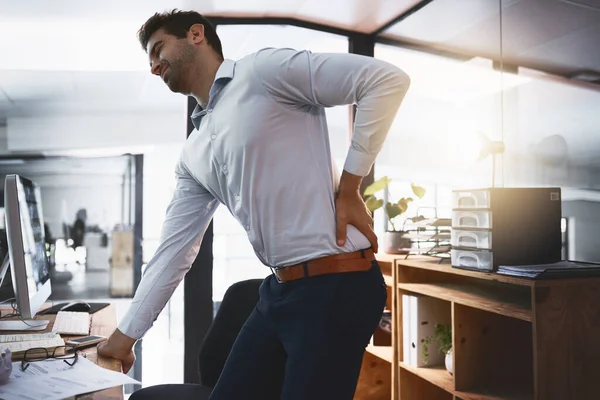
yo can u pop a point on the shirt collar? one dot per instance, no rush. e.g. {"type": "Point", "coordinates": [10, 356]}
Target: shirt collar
{"type": "Point", "coordinates": [222, 77]}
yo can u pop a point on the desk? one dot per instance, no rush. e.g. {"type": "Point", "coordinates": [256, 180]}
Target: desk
{"type": "Point", "coordinates": [103, 323]}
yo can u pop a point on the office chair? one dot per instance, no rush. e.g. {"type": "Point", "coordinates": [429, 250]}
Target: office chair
{"type": "Point", "coordinates": [238, 302]}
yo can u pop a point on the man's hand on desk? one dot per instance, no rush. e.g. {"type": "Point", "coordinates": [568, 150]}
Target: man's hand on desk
{"type": "Point", "coordinates": [120, 347]}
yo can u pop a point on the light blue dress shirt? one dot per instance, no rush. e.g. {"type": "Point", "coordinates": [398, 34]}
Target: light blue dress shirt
{"type": "Point", "coordinates": [261, 148]}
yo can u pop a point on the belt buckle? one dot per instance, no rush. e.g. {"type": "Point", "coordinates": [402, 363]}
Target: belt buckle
{"type": "Point", "coordinates": [273, 270]}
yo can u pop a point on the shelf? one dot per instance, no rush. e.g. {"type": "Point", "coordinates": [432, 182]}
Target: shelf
{"type": "Point", "coordinates": [436, 375]}
{"type": "Point", "coordinates": [441, 378]}
{"type": "Point", "coordinates": [495, 395]}
{"type": "Point", "coordinates": [429, 264]}
{"type": "Point", "coordinates": [383, 352]}
{"type": "Point", "coordinates": [503, 301]}
{"type": "Point", "coordinates": [498, 352]}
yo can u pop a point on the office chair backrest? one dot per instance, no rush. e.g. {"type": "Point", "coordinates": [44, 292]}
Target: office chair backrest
{"type": "Point", "coordinates": [238, 302]}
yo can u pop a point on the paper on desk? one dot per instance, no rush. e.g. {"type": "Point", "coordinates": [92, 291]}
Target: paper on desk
{"type": "Point", "coordinates": [54, 379]}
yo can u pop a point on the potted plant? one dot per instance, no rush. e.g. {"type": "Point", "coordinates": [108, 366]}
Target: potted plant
{"type": "Point", "coordinates": [442, 337]}
{"type": "Point", "coordinates": [394, 241]}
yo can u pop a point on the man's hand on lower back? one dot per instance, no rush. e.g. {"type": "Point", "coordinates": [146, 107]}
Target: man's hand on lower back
{"type": "Point", "coordinates": [120, 347]}
{"type": "Point", "coordinates": [351, 209]}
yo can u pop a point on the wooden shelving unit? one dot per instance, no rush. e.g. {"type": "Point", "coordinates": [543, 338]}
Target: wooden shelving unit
{"type": "Point", "coordinates": [512, 338]}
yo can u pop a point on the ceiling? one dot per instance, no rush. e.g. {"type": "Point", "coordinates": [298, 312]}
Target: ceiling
{"type": "Point", "coordinates": [556, 36]}
{"type": "Point", "coordinates": [81, 57]}
{"type": "Point", "coordinates": [102, 166]}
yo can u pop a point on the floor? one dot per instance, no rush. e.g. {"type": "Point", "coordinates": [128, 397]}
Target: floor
{"type": "Point", "coordinates": [84, 285]}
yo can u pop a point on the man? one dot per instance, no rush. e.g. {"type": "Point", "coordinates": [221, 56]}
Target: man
{"type": "Point", "coordinates": [78, 232]}
{"type": "Point", "coordinates": [261, 148]}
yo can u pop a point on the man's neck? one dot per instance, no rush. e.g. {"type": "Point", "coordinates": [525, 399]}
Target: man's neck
{"type": "Point", "coordinates": [206, 79]}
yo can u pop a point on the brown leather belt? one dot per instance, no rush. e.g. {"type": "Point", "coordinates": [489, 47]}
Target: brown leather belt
{"type": "Point", "coordinates": [346, 262]}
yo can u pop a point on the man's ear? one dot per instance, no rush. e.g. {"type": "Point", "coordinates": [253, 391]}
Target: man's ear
{"type": "Point", "coordinates": [196, 33]}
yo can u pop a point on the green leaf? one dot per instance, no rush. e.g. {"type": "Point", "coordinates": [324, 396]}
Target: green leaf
{"type": "Point", "coordinates": [373, 203]}
{"type": "Point", "coordinates": [442, 336]}
{"type": "Point", "coordinates": [376, 186]}
{"type": "Point", "coordinates": [393, 210]}
{"type": "Point", "coordinates": [403, 204]}
{"type": "Point", "coordinates": [418, 190]}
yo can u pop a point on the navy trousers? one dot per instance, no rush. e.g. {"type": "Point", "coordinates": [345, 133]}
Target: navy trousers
{"type": "Point", "coordinates": [305, 339]}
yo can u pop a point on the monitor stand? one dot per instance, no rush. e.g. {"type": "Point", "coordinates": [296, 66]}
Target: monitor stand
{"type": "Point", "coordinates": [24, 325]}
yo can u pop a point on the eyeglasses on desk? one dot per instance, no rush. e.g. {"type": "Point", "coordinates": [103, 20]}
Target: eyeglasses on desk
{"type": "Point", "coordinates": [65, 353]}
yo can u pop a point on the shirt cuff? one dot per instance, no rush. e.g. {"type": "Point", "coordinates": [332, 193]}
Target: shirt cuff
{"type": "Point", "coordinates": [135, 327]}
{"type": "Point", "coordinates": [358, 162]}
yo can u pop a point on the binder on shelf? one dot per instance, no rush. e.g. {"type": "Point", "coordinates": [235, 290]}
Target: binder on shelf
{"type": "Point", "coordinates": [420, 315]}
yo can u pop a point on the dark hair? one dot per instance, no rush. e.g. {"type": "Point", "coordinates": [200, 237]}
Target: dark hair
{"type": "Point", "coordinates": [178, 23]}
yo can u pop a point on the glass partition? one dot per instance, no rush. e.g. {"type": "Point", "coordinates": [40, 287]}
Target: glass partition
{"type": "Point", "coordinates": [452, 109]}
{"type": "Point", "coordinates": [551, 123]}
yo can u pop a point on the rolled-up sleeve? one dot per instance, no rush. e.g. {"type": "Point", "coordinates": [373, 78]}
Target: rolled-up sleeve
{"type": "Point", "coordinates": [187, 218]}
{"type": "Point", "coordinates": [305, 79]}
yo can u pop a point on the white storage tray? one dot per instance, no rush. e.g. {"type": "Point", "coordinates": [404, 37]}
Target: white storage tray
{"type": "Point", "coordinates": [474, 239]}
{"type": "Point", "coordinates": [479, 259]}
{"type": "Point", "coordinates": [471, 199]}
{"type": "Point", "coordinates": [472, 219]}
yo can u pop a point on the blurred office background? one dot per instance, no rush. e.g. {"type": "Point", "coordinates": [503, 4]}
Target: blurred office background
{"type": "Point", "coordinates": [82, 116]}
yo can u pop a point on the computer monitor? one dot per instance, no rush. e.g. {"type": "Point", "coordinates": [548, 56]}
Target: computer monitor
{"type": "Point", "coordinates": [29, 265]}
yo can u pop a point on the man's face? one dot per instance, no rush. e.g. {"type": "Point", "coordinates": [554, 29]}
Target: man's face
{"type": "Point", "coordinates": [171, 58]}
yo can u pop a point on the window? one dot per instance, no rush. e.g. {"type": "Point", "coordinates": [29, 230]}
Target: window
{"type": "Point", "coordinates": [165, 340]}
{"type": "Point", "coordinates": [435, 140]}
